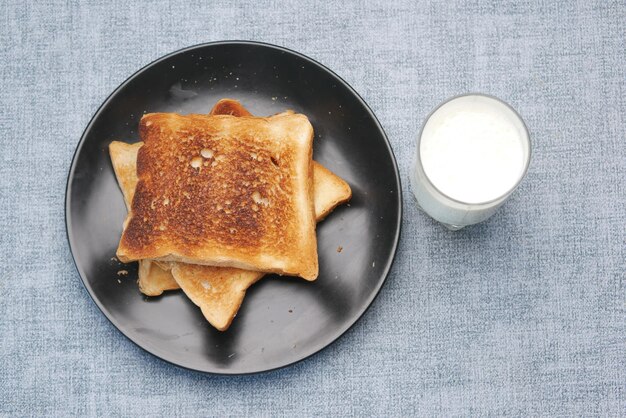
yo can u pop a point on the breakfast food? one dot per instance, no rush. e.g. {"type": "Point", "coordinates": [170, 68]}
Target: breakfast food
{"type": "Point", "coordinates": [217, 290]}
{"type": "Point", "coordinates": [224, 191]}
{"type": "Point", "coordinates": [229, 107]}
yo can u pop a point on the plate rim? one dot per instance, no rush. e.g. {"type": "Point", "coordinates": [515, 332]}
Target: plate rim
{"type": "Point", "coordinates": [81, 142]}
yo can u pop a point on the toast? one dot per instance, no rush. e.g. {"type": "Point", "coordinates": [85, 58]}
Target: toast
{"type": "Point", "coordinates": [219, 292]}
{"type": "Point", "coordinates": [229, 107]}
{"type": "Point", "coordinates": [224, 191]}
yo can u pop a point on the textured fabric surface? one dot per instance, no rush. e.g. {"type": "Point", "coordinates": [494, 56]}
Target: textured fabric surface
{"type": "Point", "coordinates": [522, 315]}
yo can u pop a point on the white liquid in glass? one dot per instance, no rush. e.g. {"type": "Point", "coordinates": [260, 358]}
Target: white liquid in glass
{"type": "Point", "coordinates": [472, 153]}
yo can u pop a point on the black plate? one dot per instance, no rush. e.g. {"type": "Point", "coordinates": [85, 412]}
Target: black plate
{"type": "Point", "coordinates": [282, 320]}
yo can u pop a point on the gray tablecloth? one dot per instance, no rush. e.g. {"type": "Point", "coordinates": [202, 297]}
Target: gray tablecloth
{"type": "Point", "coordinates": [523, 315]}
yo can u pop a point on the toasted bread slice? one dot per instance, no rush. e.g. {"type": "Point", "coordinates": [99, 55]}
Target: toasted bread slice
{"type": "Point", "coordinates": [218, 292]}
{"type": "Point", "coordinates": [224, 191]}
{"type": "Point", "coordinates": [155, 277]}
{"type": "Point", "coordinates": [229, 107]}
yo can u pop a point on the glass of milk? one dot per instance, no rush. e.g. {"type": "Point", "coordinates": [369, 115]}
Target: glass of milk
{"type": "Point", "coordinates": [472, 152]}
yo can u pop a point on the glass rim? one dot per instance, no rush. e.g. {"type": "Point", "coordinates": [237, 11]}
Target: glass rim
{"type": "Point", "coordinates": [526, 163]}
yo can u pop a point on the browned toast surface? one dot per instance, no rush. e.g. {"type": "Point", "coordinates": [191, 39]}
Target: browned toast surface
{"type": "Point", "coordinates": [229, 107]}
{"type": "Point", "coordinates": [224, 191]}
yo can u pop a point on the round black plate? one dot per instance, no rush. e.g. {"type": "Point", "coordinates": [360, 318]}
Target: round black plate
{"type": "Point", "coordinates": [282, 320]}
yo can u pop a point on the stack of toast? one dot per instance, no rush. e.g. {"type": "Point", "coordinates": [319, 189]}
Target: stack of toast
{"type": "Point", "coordinates": [217, 201]}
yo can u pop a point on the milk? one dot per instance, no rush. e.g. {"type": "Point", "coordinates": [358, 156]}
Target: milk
{"type": "Point", "coordinates": [472, 152]}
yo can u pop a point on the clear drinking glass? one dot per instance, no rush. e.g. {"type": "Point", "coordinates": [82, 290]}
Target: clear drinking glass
{"type": "Point", "coordinates": [485, 120]}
